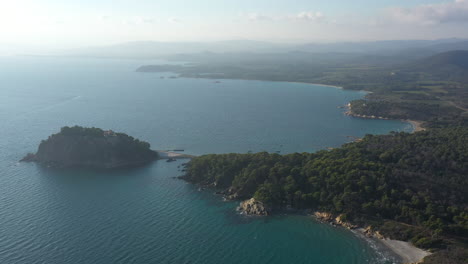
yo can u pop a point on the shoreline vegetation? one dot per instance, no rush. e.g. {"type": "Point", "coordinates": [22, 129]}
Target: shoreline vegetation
{"type": "Point", "coordinates": [406, 251]}
{"type": "Point", "coordinates": [379, 184]}
{"type": "Point", "coordinates": [417, 125]}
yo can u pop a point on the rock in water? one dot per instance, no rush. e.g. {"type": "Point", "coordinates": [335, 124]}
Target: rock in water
{"type": "Point", "coordinates": [29, 158]}
{"type": "Point", "coordinates": [253, 207]}
{"type": "Point", "coordinates": [81, 147]}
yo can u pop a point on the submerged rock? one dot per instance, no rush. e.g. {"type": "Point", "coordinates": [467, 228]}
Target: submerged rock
{"type": "Point", "coordinates": [30, 157]}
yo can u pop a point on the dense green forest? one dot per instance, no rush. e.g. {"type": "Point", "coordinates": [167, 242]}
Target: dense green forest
{"type": "Point", "coordinates": [409, 186]}
{"type": "Point", "coordinates": [92, 148]}
{"type": "Point", "coordinates": [125, 141]}
{"type": "Point", "coordinates": [406, 110]}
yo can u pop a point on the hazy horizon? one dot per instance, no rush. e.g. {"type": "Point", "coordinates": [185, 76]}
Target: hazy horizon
{"type": "Point", "coordinates": [52, 24]}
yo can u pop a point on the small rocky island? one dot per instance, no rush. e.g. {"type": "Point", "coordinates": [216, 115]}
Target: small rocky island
{"type": "Point", "coordinates": [80, 147]}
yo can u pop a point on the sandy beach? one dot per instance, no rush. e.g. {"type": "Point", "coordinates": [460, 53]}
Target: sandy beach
{"type": "Point", "coordinates": [417, 125]}
{"type": "Point", "coordinates": [173, 155]}
{"type": "Point", "coordinates": [326, 85]}
{"type": "Point", "coordinates": [405, 250]}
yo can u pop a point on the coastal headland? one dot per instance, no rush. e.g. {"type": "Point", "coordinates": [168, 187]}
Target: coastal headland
{"type": "Point", "coordinates": [417, 125]}
{"type": "Point", "coordinates": [377, 184]}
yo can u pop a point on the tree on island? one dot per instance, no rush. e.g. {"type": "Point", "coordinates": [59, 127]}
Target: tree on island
{"type": "Point", "coordinates": [92, 148]}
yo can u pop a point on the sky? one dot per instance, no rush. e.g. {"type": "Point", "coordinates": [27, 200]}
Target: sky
{"type": "Point", "coordinates": [79, 23]}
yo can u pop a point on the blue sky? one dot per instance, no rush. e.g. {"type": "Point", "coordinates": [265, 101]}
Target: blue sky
{"type": "Point", "coordinates": [102, 22]}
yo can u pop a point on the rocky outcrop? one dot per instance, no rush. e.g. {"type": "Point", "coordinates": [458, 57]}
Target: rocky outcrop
{"type": "Point", "coordinates": [342, 222]}
{"type": "Point", "coordinates": [369, 232]}
{"type": "Point", "coordinates": [80, 147]}
{"type": "Point", "coordinates": [229, 194]}
{"type": "Point", "coordinates": [30, 157]}
{"type": "Point", "coordinates": [329, 218]}
{"type": "Point", "coordinates": [323, 216]}
{"type": "Point", "coordinates": [253, 207]}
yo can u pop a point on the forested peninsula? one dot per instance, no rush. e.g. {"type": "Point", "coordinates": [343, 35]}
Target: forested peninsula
{"type": "Point", "coordinates": [80, 147]}
{"type": "Point", "coordinates": [410, 187]}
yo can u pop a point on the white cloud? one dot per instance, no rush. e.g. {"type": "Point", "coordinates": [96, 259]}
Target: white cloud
{"type": "Point", "coordinates": [173, 20]}
{"type": "Point", "coordinates": [451, 12]}
{"type": "Point", "coordinates": [138, 20]}
{"type": "Point", "coordinates": [258, 17]}
{"type": "Point", "coordinates": [144, 20]}
{"type": "Point", "coordinates": [310, 16]}
{"type": "Point", "coordinates": [301, 16]}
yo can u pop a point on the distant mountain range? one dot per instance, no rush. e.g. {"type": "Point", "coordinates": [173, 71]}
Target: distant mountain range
{"type": "Point", "coordinates": [457, 59]}
{"type": "Point", "coordinates": [389, 46]}
{"type": "Point", "coordinates": [449, 66]}
{"type": "Point", "coordinates": [150, 49]}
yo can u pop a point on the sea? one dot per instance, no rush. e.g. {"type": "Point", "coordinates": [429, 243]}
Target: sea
{"type": "Point", "coordinates": [147, 215]}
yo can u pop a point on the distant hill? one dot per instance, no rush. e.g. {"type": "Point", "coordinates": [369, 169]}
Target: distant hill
{"type": "Point", "coordinates": [378, 47]}
{"type": "Point", "coordinates": [443, 47]}
{"type": "Point", "coordinates": [449, 66]}
{"type": "Point", "coordinates": [456, 58]}
{"type": "Point", "coordinates": [152, 49]}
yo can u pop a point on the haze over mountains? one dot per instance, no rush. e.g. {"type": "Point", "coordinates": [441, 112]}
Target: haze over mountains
{"type": "Point", "coordinates": [145, 49]}
{"type": "Point", "coordinates": [449, 66]}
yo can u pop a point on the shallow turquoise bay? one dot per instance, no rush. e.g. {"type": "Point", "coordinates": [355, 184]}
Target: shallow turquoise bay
{"type": "Point", "coordinates": [145, 215]}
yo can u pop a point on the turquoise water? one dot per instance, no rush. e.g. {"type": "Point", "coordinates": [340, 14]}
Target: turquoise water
{"type": "Point", "coordinates": [145, 215]}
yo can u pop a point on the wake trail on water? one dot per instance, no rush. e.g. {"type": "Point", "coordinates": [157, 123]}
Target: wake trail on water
{"type": "Point", "coordinates": [52, 106]}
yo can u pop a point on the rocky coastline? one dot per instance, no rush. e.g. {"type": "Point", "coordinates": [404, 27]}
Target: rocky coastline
{"type": "Point", "coordinates": [417, 125]}
{"type": "Point", "coordinates": [349, 112]}
{"type": "Point", "coordinates": [334, 220]}
{"type": "Point", "coordinates": [405, 251]}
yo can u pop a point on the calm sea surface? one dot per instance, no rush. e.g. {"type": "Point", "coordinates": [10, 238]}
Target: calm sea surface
{"type": "Point", "coordinates": [144, 215]}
